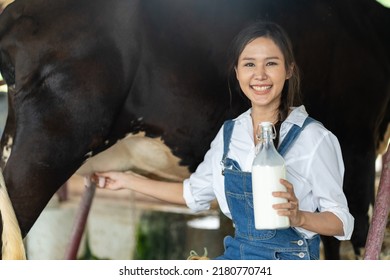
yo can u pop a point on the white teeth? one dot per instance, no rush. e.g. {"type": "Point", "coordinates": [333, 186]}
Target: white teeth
{"type": "Point", "coordinates": [261, 88]}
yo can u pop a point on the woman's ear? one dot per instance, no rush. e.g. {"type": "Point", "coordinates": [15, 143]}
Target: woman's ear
{"type": "Point", "coordinates": [235, 70]}
{"type": "Point", "coordinates": [290, 71]}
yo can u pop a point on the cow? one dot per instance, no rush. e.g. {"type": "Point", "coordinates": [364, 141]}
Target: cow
{"type": "Point", "coordinates": [85, 74]}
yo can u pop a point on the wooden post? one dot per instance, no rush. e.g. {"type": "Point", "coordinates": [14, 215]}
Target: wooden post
{"type": "Point", "coordinates": [377, 229]}
{"type": "Point", "coordinates": [80, 222]}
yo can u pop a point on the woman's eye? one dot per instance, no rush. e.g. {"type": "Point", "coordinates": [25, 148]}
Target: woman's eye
{"type": "Point", "coordinates": [271, 63]}
{"type": "Point", "coordinates": [249, 64]}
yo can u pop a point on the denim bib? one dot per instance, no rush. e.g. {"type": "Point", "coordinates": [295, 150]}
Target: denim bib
{"type": "Point", "coordinates": [249, 243]}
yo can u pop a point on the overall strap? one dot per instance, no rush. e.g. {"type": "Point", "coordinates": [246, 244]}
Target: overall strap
{"type": "Point", "coordinates": [227, 134]}
{"type": "Point", "coordinates": [292, 135]}
{"type": "Point", "coordinates": [290, 138]}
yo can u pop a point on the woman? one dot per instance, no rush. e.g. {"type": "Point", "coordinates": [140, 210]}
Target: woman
{"type": "Point", "coordinates": [264, 66]}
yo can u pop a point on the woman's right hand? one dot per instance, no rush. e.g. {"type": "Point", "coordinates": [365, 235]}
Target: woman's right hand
{"type": "Point", "coordinates": [114, 180]}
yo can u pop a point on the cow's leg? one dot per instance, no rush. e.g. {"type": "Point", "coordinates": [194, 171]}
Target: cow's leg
{"type": "Point", "coordinates": [359, 188]}
{"type": "Point", "coordinates": [331, 247]}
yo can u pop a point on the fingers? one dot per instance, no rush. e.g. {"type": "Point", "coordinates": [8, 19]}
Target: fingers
{"type": "Point", "coordinates": [102, 179]}
{"type": "Point", "coordinates": [293, 205]}
{"type": "Point", "coordinates": [112, 180]}
{"type": "Point", "coordinates": [288, 194]}
{"type": "Point", "coordinates": [108, 174]}
{"type": "Point", "coordinates": [287, 184]}
{"type": "Point", "coordinates": [289, 207]}
{"type": "Point", "coordinates": [101, 182]}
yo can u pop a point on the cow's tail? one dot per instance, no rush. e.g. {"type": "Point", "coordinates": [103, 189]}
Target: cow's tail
{"type": "Point", "coordinates": [12, 241]}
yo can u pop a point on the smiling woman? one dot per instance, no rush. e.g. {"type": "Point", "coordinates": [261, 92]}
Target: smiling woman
{"type": "Point", "coordinates": [263, 65]}
{"type": "Point", "coordinates": [82, 74]}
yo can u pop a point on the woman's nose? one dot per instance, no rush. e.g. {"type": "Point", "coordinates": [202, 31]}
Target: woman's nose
{"type": "Point", "coordinates": [260, 73]}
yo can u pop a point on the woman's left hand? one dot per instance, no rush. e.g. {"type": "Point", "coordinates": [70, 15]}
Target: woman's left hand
{"type": "Point", "coordinates": [291, 207]}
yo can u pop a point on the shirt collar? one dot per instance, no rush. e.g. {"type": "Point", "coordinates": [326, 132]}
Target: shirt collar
{"type": "Point", "coordinates": [297, 115]}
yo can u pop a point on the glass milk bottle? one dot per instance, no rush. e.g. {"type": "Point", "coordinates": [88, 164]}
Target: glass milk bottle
{"type": "Point", "coordinates": [267, 170]}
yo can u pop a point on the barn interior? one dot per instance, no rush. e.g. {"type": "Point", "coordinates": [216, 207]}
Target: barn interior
{"type": "Point", "coordinates": [126, 225]}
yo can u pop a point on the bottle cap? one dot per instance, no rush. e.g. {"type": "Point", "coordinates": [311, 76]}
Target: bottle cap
{"type": "Point", "coordinates": [265, 128]}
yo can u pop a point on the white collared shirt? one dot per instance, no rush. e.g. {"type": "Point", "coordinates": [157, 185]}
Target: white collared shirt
{"type": "Point", "coordinates": [314, 166]}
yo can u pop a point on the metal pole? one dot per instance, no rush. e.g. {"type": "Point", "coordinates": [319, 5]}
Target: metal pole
{"type": "Point", "coordinates": [380, 215]}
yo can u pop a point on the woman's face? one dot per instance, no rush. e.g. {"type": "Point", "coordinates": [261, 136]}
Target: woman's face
{"type": "Point", "coordinates": [261, 73]}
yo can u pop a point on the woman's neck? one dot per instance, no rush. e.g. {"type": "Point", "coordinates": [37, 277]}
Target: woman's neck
{"type": "Point", "coordinates": [259, 116]}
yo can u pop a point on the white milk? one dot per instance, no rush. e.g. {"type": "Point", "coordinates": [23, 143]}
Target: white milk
{"type": "Point", "coordinates": [265, 180]}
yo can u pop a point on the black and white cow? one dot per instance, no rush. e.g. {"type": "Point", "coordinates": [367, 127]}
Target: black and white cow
{"type": "Point", "coordinates": [82, 74]}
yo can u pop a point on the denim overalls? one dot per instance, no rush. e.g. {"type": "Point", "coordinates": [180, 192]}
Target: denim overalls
{"type": "Point", "coordinates": [248, 242]}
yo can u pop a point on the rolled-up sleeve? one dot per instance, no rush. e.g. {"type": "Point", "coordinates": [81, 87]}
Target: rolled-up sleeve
{"type": "Point", "coordinates": [326, 172]}
{"type": "Point", "coordinates": [199, 191]}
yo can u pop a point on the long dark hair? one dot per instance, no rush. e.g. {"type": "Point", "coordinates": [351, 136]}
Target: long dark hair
{"type": "Point", "coordinates": [291, 90]}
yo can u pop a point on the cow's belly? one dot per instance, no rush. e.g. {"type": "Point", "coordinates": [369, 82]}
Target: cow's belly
{"type": "Point", "coordinates": [144, 155]}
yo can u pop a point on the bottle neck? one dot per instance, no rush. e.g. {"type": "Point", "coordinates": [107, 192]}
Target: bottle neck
{"type": "Point", "coordinates": [267, 136]}
{"type": "Point", "coordinates": [266, 133]}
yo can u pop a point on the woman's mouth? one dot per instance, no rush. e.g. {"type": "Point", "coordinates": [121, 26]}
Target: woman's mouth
{"type": "Point", "coordinates": [262, 88]}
